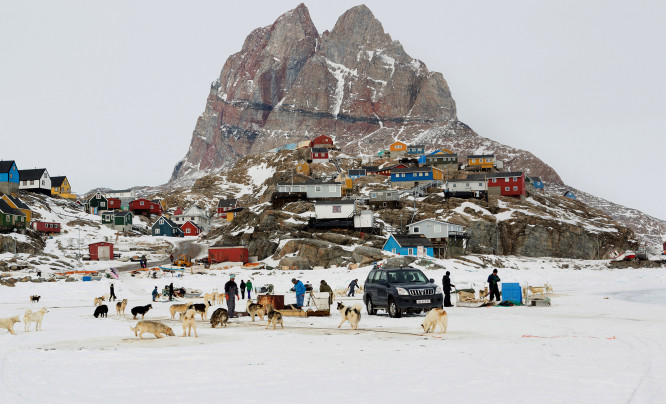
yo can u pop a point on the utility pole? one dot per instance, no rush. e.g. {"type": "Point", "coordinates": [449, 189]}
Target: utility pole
{"type": "Point", "coordinates": [79, 245]}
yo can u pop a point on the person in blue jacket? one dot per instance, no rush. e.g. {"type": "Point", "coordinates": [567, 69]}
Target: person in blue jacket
{"type": "Point", "coordinates": [155, 294]}
{"type": "Point", "coordinates": [493, 286]}
{"type": "Point", "coordinates": [300, 292]}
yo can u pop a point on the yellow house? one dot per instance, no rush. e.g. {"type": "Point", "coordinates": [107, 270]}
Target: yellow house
{"type": "Point", "coordinates": [397, 148]}
{"type": "Point", "coordinates": [437, 174]}
{"type": "Point", "coordinates": [60, 187]}
{"type": "Point", "coordinates": [16, 203]}
{"type": "Point", "coordinates": [303, 168]}
{"type": "Point", "coordinates": [481, 161]}
{"type": "Point", "coordinates": [346, 181]}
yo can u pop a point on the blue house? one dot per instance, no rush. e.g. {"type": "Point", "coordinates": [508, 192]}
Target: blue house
{"type": "Point", "coordinates": [9, 177]}
{"type": "Point", "coordinates": [354, 174]}
{"type": "Point", "coordinates": [415, 149]}
{"type": "Point", "coordinates": [165, 227]}
{"type": "Point", "coordinates": [570, 195]}
{"type": "Point", "coordinates": [413, 176]}
{"type": "Point", "coordinates": [408, 245]}
{"type": "Point", "coordinates": [537, 183]}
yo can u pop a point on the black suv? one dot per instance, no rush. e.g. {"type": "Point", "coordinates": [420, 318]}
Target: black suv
{"type": "Point", "coordinates": [400, 289]}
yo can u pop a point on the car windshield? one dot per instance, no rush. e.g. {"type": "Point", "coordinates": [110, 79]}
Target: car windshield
{"type": "Point", "coordinates": [413, 276]}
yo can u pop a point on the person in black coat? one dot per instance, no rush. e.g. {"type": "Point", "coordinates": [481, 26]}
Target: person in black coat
{"type": "Point", "coordinates": [171, 291]}
{"type": "Point", "coordinates": [242, 288]}
{"type": "Point", "coordinates": [446, 283]}
{"type": "Point", "coordinates": [112, 293]}
{"type": "Point", "coordinates": [493, 285]}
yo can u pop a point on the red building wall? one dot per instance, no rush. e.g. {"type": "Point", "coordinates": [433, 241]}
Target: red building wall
{"type": "Point", "coordinates": [225, 254]}
{"type": "Point", "coordinates": [321, 141]}
{"type": "Point", "coordinates": [510, 183]}
{"type": "Point", "coordinates": [46, 227]}
{"type": "Point", "coordinates": [194, 230]}
{"type": "Point", "coordinates": [93, 250]}
{"type": "Point", "coordinates": [114, 203]}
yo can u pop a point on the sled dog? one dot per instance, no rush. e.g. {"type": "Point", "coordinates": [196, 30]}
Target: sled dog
{"type": "Point", "coordinates": [220, 316]}
{"type": "Point", "coordinates": [34, 299]}
{"type": "Point", "coordinates": [434, 318]}
{"type": "Point", "coordinates": [274, 317]}
{"type": "Point", "coordinates": [189, 323]}
{"type": "Point", "coordinates": [351, 314]}
{"type": "Point", "coordinates": [201, 308]}
{"type": "Point", "coordinates": [101, 311]}
{"type": "Point", "coordinates": [8, 323]}
{"type": "Point", "coordinates": [98, 301]}
{"type": "Point", "coordinates": [152, 327]}
{"type": "Point", "coordinates": [178, 308]}
{"type": "Point", "coordinates": [255, 309]}
{"type": "Point", "coordinates": [120, 307]}
{"type": "Point", "coordinates": [36, 317]}
{"type": "Point", "coordinates": [141, 310]}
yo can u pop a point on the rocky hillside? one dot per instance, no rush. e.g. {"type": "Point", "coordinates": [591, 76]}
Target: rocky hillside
{"type": "Point", "coordinates": [354, 83]}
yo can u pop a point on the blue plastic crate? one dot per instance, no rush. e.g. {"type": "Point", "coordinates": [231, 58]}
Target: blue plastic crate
{"type": "Point", "coordinates": [89, 278]}
{"type": "Point", "coordinates": [512, 292]}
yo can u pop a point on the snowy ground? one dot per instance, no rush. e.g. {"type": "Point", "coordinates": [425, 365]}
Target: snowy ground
{"type": "Point", "coordinates": [601, 341]}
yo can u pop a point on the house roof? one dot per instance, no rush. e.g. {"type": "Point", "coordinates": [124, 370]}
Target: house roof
{"type": "Point", "coordinates": [319, 182]}
{"type": "Point", "coordinates": [340, 202]}
{"type": "Point", "coordinates": [225, 203]}
{"type": "Point", "coordinates": [476, 156]}
{"type": "Point", "coordinates": [57, 181]}
{"type": "Point", "coordinates": [8, 210]}
{"type": "Point", "coordinates": [319, 150]}
{"type": "Point", "coordinates": [16, 201]}
{"type": "Point", "coordinates": [191, 223]}
{"type": "Point", "coordinates": [118, 191]}
{"type": "Point", "coordinates": [494, 175]}
{"type": "Point", "coordinates": [358, 172]}
{"type": "Point", "coordinates": [432, 156]}
{"type": "Point", "coordinates": [122, 213]}
{"type": "Point", "coordinates": [322, 137]}
{"type": "Point", "coordinates": [167, 221]}
{"type": "Point", "coordinates": [32, 174]}
{"type": "Point", "coordinates": [6, 165]}
{"type": "Point", "coordinates": [412, 170]}
{"type": "Point", "coordinates": [371, 169]}
{"type": "Point", "coordinates": [536, 179]}
{"type": "Point", "coordinates": [412, 240]}
{"type": "Point", "coordinates": [421, 146]}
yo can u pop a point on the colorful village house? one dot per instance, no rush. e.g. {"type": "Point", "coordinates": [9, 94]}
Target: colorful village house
{"type": "Point", "coordinates": [45, 227]}
{"type": "Point", "coordinates": [125, 195]}
{"type": "Point", "coordinates": [190, 229]}
{"type": "Point", "coordinates": [101, 251]}
{"type": "Point", "coordinates": [322, 141]}
{"type": "Point", "coordinates": [178, 211]}
{"type": "Point", "coordinates": [386, 171]}
{"type": "Point", "coordinates": [384, 199]}
{"type": "Point", "coordinates": [357, 173]}
{"type": "Point", "coordinates": [570, 195]}
{"type": "Point", "coordinates": [465, 189]}
{"type": "Point", "coordinates": [415, 245]}
{"type": "Point", "coordinates": [225, 205]}
{"type": "Point", "coordinates": [415, 149]}
{"type": "Point", "coordinates": [97, 204]}
{"type": "Point", "coordinates": [319, 155]}
{"type": "Point", "coordinates": [11, 218]}
{"type": "Point", "coordinates": [346, 181]}
{"type": "Point", "coordinates": [303, 168]}
{"type": "Point", "coordinates": [447, 162]}
{"type": "Point", "coordinates": [114, 203]}
{"type": "Point", "coordinates": [480, 162]}
{"type": "Point", "coordinates": [445, 237]}
{"type": "Point", "coordinates": [9, 177]}
{"type": "Point", "coordinates": [534, 182]}
{"type": "Point", "coordinates": [397, 149]}
{"type": "Point", "coordinates": [504, 184]}
{"type": "Point", "coordinates": [232, 213]}
{"type": "Point", "coordinates": [35, 180]}
{"type": "Point", "coordinates": [413, 176]}
{"type": "Point", "coordinates": [118, 220]}
{"type": "Point", "coordinates": [145, 207]}
{"type": "Point", "coordinates": [196, 215]}
{"type": "Point", "coordinates": [303, 144]}
{"type": "Point", "coordinates": [165, 227]}
{"type": "Point", "coordinates": [371, 170]}
{"type": "Point", "coordinates": [16, 203]}
{"type": "Point", "coordinates": [60, 187]}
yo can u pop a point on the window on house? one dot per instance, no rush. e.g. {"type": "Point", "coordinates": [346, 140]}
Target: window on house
{"type": "Point", "coordinates": [43, 182]}
{"type": "Point", "coordinates": [11, 176]}
{"type": "Point", "coordinates": [373, 195]}
{"type": "Point", "coordinates": [410, 251]}
{"type": "Point", "coordinates": [494, 180]}
{"type": "Point", "coordinates": [157, 231]}
{"type": "Point", "coordinates": [317, 189]}
{"type": "Point", "coordinates": [187, 231]}
{"type": "Point", "coordinates": [415, 229]}
{"type": "Point", "coordinates": [480, 184]}
{"type": "Point", "coordinates": [507, 189]}
{"type": "Point", "coordinates": [515, 188]}
{"type": "Point", "coordinates": [337, 209]}
{"type": "Point", "coordinates": [32, 182]}
{"type": "Point", "coordinates": [393, 250]}
{"type": "Point", "coordinates": [388, 194]}
{"type": "Point", "coordinates": [141, 203]}
{"type": "Point", "coordinates": [102, 204]}
{"type": "Point", "coordinates": [438, 228]}
{"type": "Point", "coordinates": [331, 188]}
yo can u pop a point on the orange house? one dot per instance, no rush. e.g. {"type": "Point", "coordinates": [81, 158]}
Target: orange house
{"type": "Point", "coordinates": [303, 168]}
{"type": "Point", "coordinates": [481, 161]}
{"type": "Point", "coordinates": [397, 149]}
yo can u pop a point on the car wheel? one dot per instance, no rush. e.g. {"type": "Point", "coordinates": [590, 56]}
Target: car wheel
{"type": "Point", "coordinates": [393, 310]}
{"type": "Point", "coordinates": [370, 307]}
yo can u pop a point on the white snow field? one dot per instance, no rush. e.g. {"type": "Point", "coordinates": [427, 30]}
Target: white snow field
{"type": "Point", "coordinates": [602, 341]}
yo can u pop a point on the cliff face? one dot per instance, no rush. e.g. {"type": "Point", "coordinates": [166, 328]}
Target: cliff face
{"type": "Point", "coordinates": [354, 83]}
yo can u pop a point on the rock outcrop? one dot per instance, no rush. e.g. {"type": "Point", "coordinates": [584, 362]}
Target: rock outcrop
{"type": "Point", "coordinates": [354, 83]}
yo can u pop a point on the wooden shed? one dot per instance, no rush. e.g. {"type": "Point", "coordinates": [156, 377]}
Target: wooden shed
{"type": "Point", "coordinates": [100, 251]}
{"type": "Point", "coordinates": [228, 254]}
{"type": "Point", "coordinates": [45, 227]}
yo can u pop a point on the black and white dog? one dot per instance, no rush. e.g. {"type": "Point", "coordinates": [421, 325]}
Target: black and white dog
{"type": "Point", "coordinates": [141, 310]}
{"type": "Point", "coordinates": [101, 311]}
{"type": "Point", "coordinates": [201, 308]}
{"type": "Point", "coordinates": [351, 314]}
{"type": "Point", "coordinates": [34, 299]}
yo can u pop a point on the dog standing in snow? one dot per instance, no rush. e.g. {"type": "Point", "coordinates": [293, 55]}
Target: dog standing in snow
{"type": "Point", "coordinates": [435, 317]}
{"type": "Point", "coordinates": [189, 322]}
{"type": "Point", "coordinates": [8, 323]}
{"type": "Point", "coordinates": [120, 307]}
{"type": "Point", "coordinates": [255, 309]}
{"type": "Point", "coordinates": [351, 314]}
{"type": "Point", "coordinates": [36, 317]}
{"type": "Point", "coordinates": [274, 317]}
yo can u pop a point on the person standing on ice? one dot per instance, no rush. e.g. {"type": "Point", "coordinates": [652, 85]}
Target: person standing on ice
{"type": "Point", "coordinates": [352, 287]}
{"type": "Point", "coordinates": [446, 285]}
{"type": "Point", "coordinates": [493, 286]}
{"type": "Point", "coordinates": [171, 291]}
{"type": "Point", "coordinates": [300, 292]}
{"type": "Point", "coordinates": [231, 291]}
{"type": "Point", "coordinates": [324, 288]}
{"type": "Point", "coordinates": [248, 286]}
{"type": "Point", "coordinates": [242, 287]}
{"type": "Point", "coordinates": [112, 293]}
{"type": "Point", "coordinates": [155, 294]}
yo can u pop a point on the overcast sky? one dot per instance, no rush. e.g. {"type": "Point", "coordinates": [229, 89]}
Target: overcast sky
{"type": "Point", "coordinates": [108, 92]}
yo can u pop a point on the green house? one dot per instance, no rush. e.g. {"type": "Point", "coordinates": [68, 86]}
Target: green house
{"type": "Point", "coordinates": [11, 218]}
{"type": "Point", "coordinates": [97, 204]}
{"type": "Point", "coordinates": [118, 220]}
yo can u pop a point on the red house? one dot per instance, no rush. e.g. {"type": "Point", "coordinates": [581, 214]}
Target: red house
{"type": "Point", "coordinates": [113, 203]}
{"type": "Point", "coordinates": [145, 207]}
{"type": "Point", "coordinates": [190, 229]}
{"type": "Point", "coordinates": [100, 251]}
{"type": "Point", "coordinates": [319, 154]}
{"type": "Point", "coordinates": [45, 227]}
{"type": "Point", "coordinates": [179, 211]}
{"type": "Point", "coordinates": [505, 184]}
{"type": "Point", "coordinates": [228, 254]}
{"type": "Point", "coordinates": [322, 141]}
{"type": "Point", "coordinates": [386, 171]}
{"type": "Point", "coordinates": [225, 205]}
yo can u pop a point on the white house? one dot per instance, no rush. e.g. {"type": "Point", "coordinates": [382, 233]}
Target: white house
{"type": "Point", "coordinates": [435, 229]}
{"type": "Point", "coordinates": [314, 189]}
{"type": "Point", "coordinates": [196, 215]}
{"type": "Point", "coordinates": [342, 209]}
{"type": "Point", "coordinates": [35, 180]}
{"type": "Point", "coordinates": [122, 193]}
{"type": "Point", "coordinates": [466, 188]}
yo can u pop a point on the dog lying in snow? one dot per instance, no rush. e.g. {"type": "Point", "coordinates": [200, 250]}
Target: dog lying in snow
{"type": "Point", "coordinates": [255, 309]}
{"type": "Point", "coordinates": [120, 307]}
{"type": "Point", "coordinates": [36, 317]}
{"type": "Point", "coordinates": [152, 327]}
{"type": "Point", "coordinates": [274, 317]}
{"type": "Point", "coordinates": [220, 316]}
{"type": "Point", "coordinates": [351, 314]}
{"type": "Point", "coordinates": [434, 318]}
{"type": "Point", "coordinates": [189, 322]}
{"type": "Point", "coordinates": [8, 323]}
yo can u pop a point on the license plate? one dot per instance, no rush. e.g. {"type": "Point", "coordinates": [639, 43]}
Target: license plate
{"type": "Point", "coordinates": [426, 301]}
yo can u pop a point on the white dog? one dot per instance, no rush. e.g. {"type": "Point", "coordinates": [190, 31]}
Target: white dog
{"type": "Point", "coordinates": [351, 314]}
{"type": "Point", "coordinates": [8, 323]}
{"type": "Point", "coordinates": [189, 322]}
{"type": "Point", "coordinates": [434, 318]}
{"type": "Point", "coordinates": [35, 317]}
